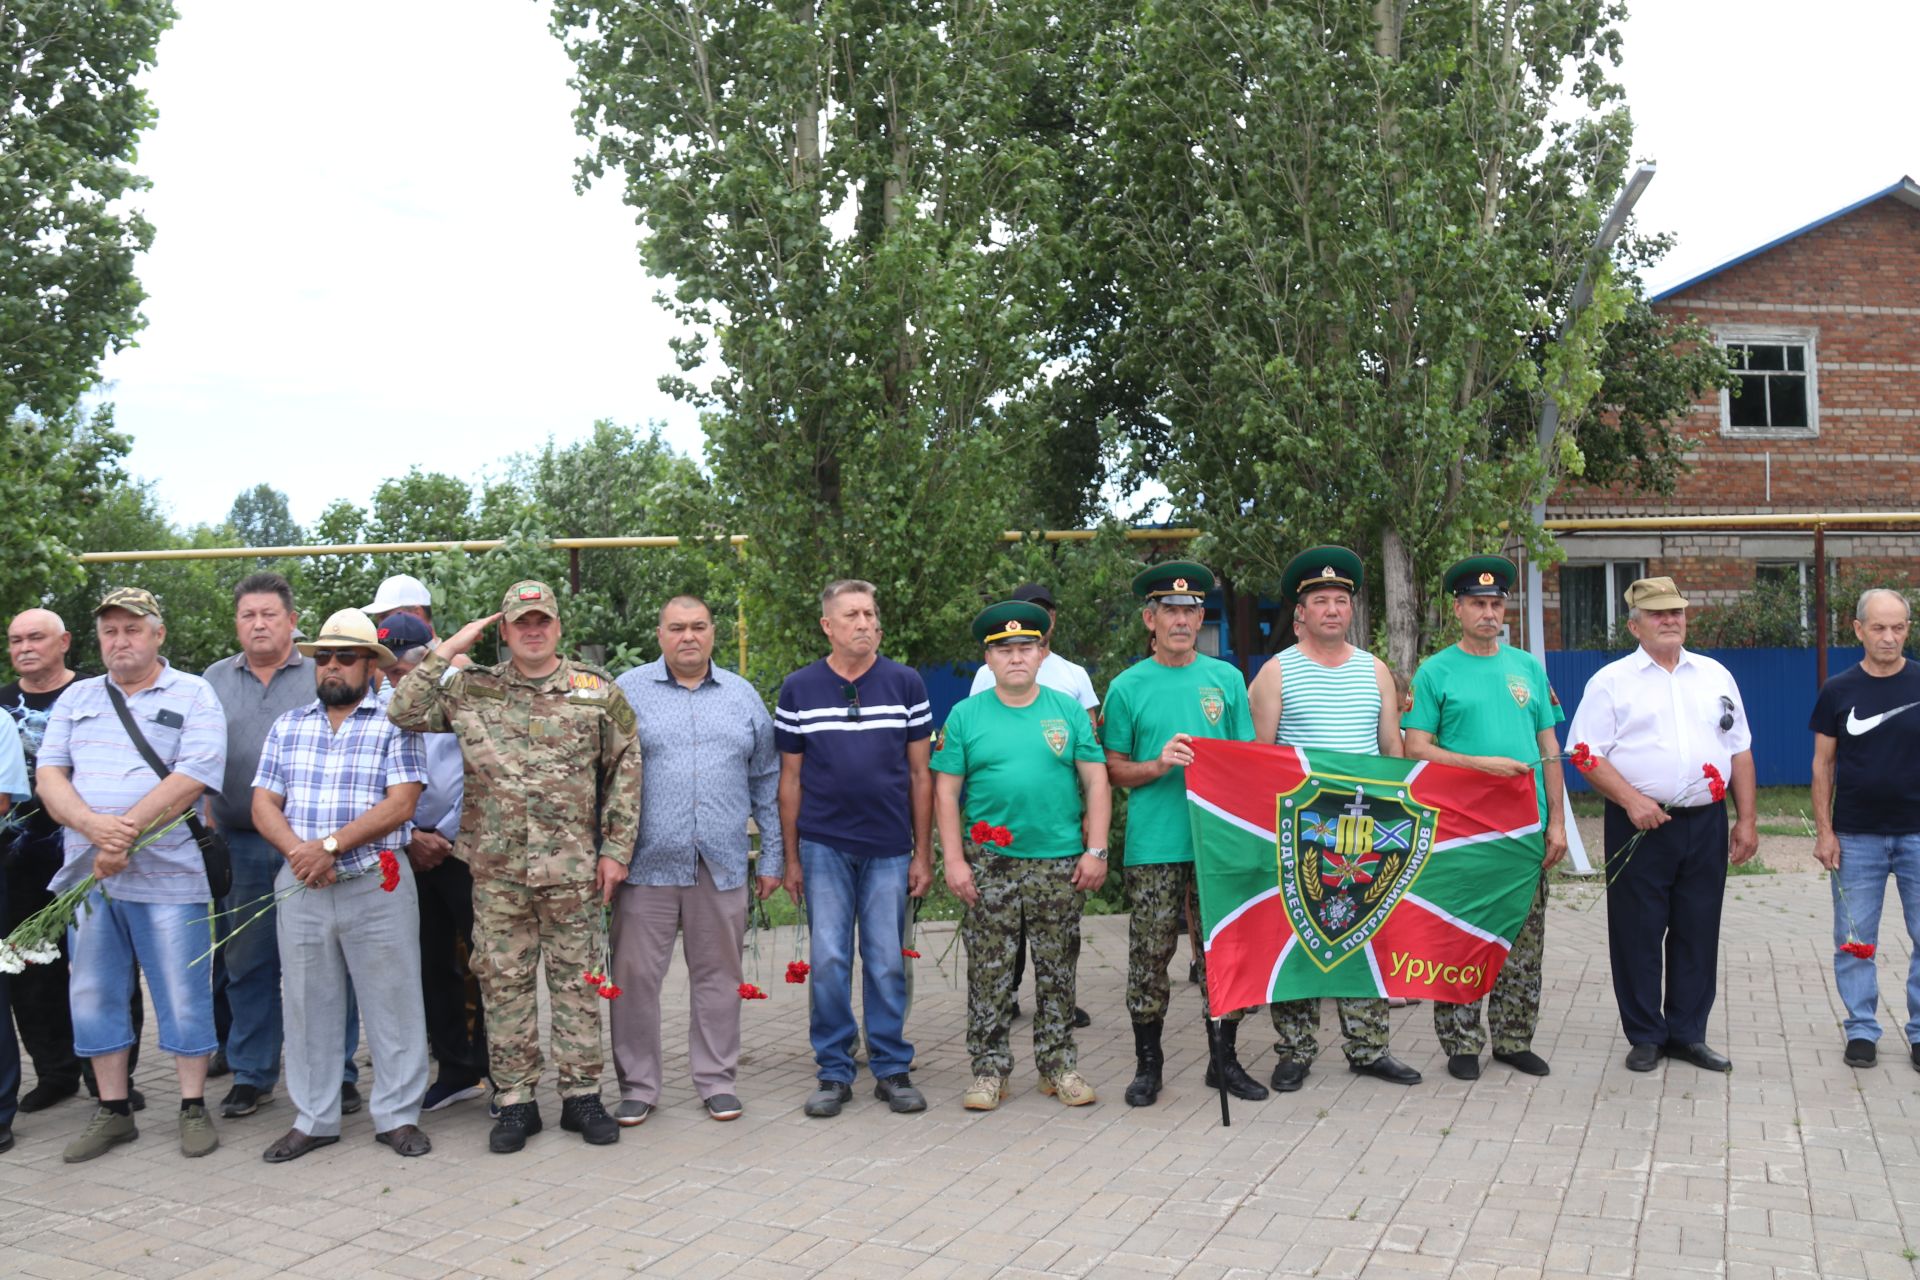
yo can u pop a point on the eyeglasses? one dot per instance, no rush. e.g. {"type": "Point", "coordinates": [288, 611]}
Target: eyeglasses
{"type": "Point", "coordinates": [345, 657]}
{"type": "Point", "coordinates": [852, 693]}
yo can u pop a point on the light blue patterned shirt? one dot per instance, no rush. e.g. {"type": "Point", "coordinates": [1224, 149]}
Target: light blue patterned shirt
{"type": "Point", "coordinates": [710, 763]}
{"type": "Point", "coordinates": [328, 777]}
{"type": "Point", "coordinates": [181, 719]}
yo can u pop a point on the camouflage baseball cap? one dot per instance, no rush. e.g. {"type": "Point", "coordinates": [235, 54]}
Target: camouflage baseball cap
{"type": "Point", "coordinates": [132, 599]}
{"type": "Point", "coordinates": [529, 597]}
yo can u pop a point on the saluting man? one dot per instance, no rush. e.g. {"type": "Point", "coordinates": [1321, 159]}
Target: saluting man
{"type": "Point", "coordinates": [1155, 709]}
{"type": "Point", "coordinates": [1484, 705]}
{"type": "Point", "coordinates": [552, 768]}
{"type": "Point", "coordinates": [1031, 767]}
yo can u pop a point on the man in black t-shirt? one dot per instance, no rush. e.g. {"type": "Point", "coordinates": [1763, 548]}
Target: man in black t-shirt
{"type": "Point", "coordinates": [1866, 812]}
{"type": "Point", "coordinates": [37, 644]}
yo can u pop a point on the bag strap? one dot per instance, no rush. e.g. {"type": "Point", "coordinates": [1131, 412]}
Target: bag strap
{"type": "Point", "coordinates": [132, 727]}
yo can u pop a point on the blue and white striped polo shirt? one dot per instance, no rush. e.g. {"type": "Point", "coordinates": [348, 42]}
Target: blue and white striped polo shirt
{"type": "Point", "coordinates": [852, 738]}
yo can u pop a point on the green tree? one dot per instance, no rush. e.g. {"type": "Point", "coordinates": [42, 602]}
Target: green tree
{"type": "Point", "coordinates": [860, 207]}
{"type": "Point", "coordinates": [70, 116]}
{"type": "Point", "coordinates": [260, 517]}
{"type": "Point", "coordinates": [1346, 235]}
{"type": "Point", "coordinates": [53, 474]}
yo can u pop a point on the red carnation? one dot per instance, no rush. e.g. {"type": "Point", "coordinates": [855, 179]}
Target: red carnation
{"type": "Point", "coordinates": [1862, 949]}
{"type": "Point", "coordinates": [797, 971]}
{"type": "Point", "coordinates": [1583, 757]}
{"type": "Point", "coordinates": [609, 992]}
{"type": "Point", "coordinates": [1002, 837]}
{"type": "Point", "coordinates": [909, 953]}
{"type": "Point", "coordinates": [591, 978]}
{"type": "Point", "coordinates": [750, 992]}
{"type": "Point", "coordinates": [389, 871]}
{"type": "Point", "coordinates": [981, 832]}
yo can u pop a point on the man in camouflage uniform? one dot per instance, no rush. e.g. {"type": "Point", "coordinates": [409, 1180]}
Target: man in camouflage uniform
{"type": "Point", "coordinates": [1155, 709]}
{"type": "Point", "coordinates": [552, 769]}
{"type": "Point", "coordinates": [1483, 705]}
{"type": "Point", "coordinates": [1031, 766]}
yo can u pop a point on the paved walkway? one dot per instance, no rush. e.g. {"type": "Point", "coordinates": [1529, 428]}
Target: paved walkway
{"type": "Point", "coordinates": [1792, 1166]}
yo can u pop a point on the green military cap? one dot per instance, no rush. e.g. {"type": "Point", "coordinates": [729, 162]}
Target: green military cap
{"type": "Point", "coordinates": [1010, 622]}
{"type": "Point", "coordinates": [1321, 567]}
{"type": "Point", "coordinates": [529, 597]}
{"type": "Point", "coordinates": [1481, 576]}
{"type": "Point", "coordinates": [1175, 582]}
{"type": "Point", "coordinates": [132, 599]}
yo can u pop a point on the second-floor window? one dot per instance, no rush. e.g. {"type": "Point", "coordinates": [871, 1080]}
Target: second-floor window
{"type": "Point", "coordinates": [1776, 389]}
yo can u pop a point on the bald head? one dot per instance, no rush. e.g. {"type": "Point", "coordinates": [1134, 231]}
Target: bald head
{"type": "Point", "coordinates": [37, 644]}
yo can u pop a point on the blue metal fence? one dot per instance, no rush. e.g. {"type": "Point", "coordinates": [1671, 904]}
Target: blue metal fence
{"type": "Point", "coordinates": [1778, 688]}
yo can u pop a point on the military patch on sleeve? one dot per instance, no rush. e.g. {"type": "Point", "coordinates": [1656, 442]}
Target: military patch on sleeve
{"type": "Point", "coordinates": [939, 739]}
{"type": "Point", "coordinates": [1552, 697]}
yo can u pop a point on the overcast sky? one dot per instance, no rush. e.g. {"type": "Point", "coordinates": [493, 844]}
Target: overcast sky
{"type": "Point", "coordinates": [367, 228]}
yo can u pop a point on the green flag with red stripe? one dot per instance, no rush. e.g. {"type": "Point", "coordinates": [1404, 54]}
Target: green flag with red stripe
{"type": "Point", "coordinates": [1325, 874]}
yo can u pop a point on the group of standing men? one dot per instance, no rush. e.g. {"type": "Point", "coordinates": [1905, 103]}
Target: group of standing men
{"type": "Point", "coordinates": [412, 835]}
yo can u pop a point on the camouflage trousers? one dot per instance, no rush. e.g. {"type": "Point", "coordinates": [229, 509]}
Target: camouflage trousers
{"type": "Point", "coordinates": [1363, 1024]}
{"type": "Point", "coordinates": [1037, 895]}
{"type": "Point", "coordinates": [1162, 894]}
{"type": "Point", "coordinates": [514, 927]}
{"type": "Point", "coordinates": [1513, 1006]}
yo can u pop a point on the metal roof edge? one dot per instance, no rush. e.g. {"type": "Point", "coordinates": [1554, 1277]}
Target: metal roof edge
{"type": "Point", "coordinates": [1905, 189]}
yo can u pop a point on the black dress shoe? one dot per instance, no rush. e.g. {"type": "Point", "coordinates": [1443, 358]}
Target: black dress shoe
{"type": "Point", "coordinates": [1914, 1052]}
{"type": "Point", "coordinates": [46, 1093]}
{"type": "Point", "coordinates": [1080, 1018]}
{"type": "Point", "coordinates": [1860, 1053]}
{"type": "Point", "coordinates": [1701, 1056]}
{"type": "Point", "coordinates": [1525, 1061]}
{"type": "Point", "coordinates": [1386, 1067]}
{"type": "Point", "coordinates": [1288, 1076]}
{"type": "Point", "coordinates": [1643, 1057]}
{"type": "Point", "coordinates": [1463, 1066]}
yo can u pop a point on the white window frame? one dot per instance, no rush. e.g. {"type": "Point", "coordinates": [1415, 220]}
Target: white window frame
{"type": "Point", "coordinates": [1616, 590]}
{"type": "Point", "coordinates": [1726, 335]}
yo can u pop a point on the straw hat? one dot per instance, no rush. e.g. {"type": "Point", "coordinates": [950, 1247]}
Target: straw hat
{"type": "Point", "coordinates": [349, 629]}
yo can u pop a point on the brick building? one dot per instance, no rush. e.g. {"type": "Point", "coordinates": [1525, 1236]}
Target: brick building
{"type": "Point", "coordinates": [1823, 325]}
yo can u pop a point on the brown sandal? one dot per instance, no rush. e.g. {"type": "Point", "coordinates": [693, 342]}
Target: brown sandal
{"type": "Point", "coordinates": [406, 1140]}
{"type": "Point", "coordinates": [294, 1144]}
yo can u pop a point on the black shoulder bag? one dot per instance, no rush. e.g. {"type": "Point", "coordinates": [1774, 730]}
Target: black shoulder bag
{"type": "Point", "coordinates": [213, 845]}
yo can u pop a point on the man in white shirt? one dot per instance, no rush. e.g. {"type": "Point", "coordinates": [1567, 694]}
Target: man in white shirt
{"type": "Point", "coordinates": [1655, 722]}
{"type": "Point", "coordinates": [1071, 679]}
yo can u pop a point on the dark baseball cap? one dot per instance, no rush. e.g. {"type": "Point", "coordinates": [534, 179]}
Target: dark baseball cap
{"type": "Point", "coordinates": [402, 631]}
{"type": "Point", "coordinates": [1033, 593]}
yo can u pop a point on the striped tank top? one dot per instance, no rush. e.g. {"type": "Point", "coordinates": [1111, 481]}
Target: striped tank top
{"type": "Point", "coordinates": [1332, 708]}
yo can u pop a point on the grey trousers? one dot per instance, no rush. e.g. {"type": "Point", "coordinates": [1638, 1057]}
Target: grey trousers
{"type": "Point", "coordinates": [353, 928]}
{"type": "Point", "coordinates": [711, 922]}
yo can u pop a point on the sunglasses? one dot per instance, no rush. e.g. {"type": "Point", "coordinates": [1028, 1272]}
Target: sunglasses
{"type": "Point", "coordinates": [1726, 713]}
{"type": "Point", "coordinates": [345, 657]}
{"type": "Point", "coordinates": [852, 693]}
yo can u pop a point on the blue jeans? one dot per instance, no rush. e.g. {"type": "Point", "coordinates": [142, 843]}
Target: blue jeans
{"type": "Point", "coordinates": [843, 893]}
{"type": "Point", "coordinates": [1865, 863]}
{"type": "Point", "coordinates": [168, 939]}
{"type": "Point", "coordinates": [253, 968]}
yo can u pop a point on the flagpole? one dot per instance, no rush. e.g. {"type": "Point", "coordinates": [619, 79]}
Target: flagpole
{"type": "Point", "coordinates": [1220, 1076]}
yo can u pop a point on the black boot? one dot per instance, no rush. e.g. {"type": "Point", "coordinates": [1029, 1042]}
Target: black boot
{"type": "Point", "coordinates": [1147, 1060]}
{"type": "Point", "coordinates": [1239, 1083]}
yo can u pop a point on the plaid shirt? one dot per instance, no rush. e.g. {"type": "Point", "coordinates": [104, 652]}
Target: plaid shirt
{"type": "Point", "coordinates": [330, 778]}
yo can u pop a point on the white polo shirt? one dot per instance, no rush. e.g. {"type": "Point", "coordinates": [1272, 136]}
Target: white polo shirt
{"type": "Point", "coordinates": [1055, 672]}
{"type": "Point", "coordinates": [1659, 727]}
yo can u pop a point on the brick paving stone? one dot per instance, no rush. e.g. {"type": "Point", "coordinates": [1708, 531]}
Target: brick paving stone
{"type": "Point", "coordinates": [1792, 1166]}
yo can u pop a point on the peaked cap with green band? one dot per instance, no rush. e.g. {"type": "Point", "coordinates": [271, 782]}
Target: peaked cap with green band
{"type": "Point", "coordinates": [1175, 582]}
{"type": "Point", "coordinates": [1481, 576]}
{"type": "Point", "coordinates": [1010, 622]}
{"type": "Point", "coordinates": [1322, 567]}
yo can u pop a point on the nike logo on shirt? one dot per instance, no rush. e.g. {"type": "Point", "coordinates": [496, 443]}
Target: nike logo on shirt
{"type": "Point", "coordinates": [1856, 726]}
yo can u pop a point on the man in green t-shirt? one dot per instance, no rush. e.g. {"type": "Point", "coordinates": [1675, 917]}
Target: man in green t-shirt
{"type": "Point", "coordinates": [1155, 709]}
{"type": "Point", "coordinates": [1484, 705]}
{"type": "Point", "coordinates": [1030, 765]}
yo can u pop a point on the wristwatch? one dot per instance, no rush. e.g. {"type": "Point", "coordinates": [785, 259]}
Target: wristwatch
{"type": "Point", "coordinates": [331, 845]}
{"type": "Point", "coordinates": [1097, 853]}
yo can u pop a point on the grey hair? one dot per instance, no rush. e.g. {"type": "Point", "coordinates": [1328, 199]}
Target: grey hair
{"type": "Point", "coordinates": [847, 586]}
{"type": "Point", "coordinates": [1860, 609]}
{"type": "Point", "coordinates": [1633, 613]}
{"type": "Point", "coordinates": [414, 656]}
